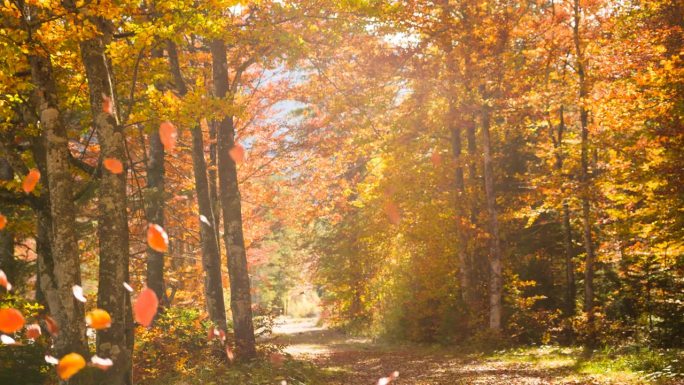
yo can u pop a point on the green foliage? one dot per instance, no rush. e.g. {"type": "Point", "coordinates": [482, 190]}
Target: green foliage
{"type": "Point", "coordinates": [175, 345]}
{"type": "Point", "coordinates": [25, 361]}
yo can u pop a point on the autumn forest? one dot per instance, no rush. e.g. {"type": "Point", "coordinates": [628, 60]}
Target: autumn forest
{"type": "Point", "coordinates": [341, 192]}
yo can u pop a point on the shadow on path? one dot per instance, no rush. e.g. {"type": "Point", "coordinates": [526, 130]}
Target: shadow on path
{"type": "Point", "coordinates": [352, 360]}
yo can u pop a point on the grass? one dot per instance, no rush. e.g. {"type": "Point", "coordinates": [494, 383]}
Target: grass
{"type": "Point", "coordinates": [293, 372]}
{"type": "Point", "coordinates": [627, 365]}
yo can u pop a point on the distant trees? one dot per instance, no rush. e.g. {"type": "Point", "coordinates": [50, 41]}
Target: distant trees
{"type": "Point", "coordinates": [532, 88]}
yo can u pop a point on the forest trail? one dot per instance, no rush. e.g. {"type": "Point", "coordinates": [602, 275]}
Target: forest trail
{"type": "Point", "coordinates": [353, 360]}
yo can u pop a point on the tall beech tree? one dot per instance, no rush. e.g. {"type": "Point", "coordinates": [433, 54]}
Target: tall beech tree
{"type": "Point", "coordinates": [211, 256]}
{"type": "Point", "coordinates": [64, 272]}
{"type": "Point", "coordinates": [116, 341]}
{"type": "Point", "coordinates": [231, 208]}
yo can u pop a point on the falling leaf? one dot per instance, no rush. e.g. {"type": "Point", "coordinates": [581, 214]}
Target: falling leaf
{"type": "Point", "coordinates": [11, 320]}
{"type": "Point", "coordinates": [101, 363]}
{"type": "Point", "coordinates": [78, 293]}
{"type": "Point", "coordinates": [276, 359]}
{"type": "Point", "coordinates": [157, 238]}
{"type": "Point", "coordinates": [51, 360]}
{"type": "Point", "coordinates": [98, 319]}
{"type": "Point", "coordinates": [237, 153]}
{"type": "Point", "coordinates": [392, 212]}
{"type": "Point", "coordinates": [128, 287]}
{"type": "Point", "coordinates": [107, 105]}
{"type": "Point", "coordinates": [7, 340]}
{"type": "Point", "coordinates": [3, 221]}
{"type": "Point", "coordinates": [168, 135]}
{"type": "Point", "coordinates": [33, 331]}
{"type": "Point", "coordinates": [113, 165]}
{"type": "Point", "coordinates": [30, 180]}
{"type": "Point", "coordinates": [51, 326]}
{"type": "Point", "coordinates": [230, 354]}
{"type": "Point", "coordinates": [436, 158]}
{"type": "Point", "coordinates": [69, 365]}
{"type": "Point", "coordinates": [204, 220]}
{"type": "Point", "coordinates": [387, 380]}
{"type": "Point", "coordinates": [215, 332]}
{"type": "Point", "coordinates": [4, 282]}
{"type": "Point", "coordinates": [145, 307]}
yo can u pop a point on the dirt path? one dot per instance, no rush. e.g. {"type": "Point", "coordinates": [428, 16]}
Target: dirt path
{"type": "Point", "coordinates": [360, 361]}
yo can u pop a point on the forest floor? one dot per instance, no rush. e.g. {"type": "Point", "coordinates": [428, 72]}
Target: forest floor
{"type": "Point", "coordinates": [351, 360]}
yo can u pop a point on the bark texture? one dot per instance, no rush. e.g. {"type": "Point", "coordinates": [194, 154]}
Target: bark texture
{"type": "Point", "coordinates": [65, 270]}
{"type": "Point", "coordinates": [211, 256]}
{"type": "Point", "coordinates": [229, 197]}
{"type": "Point", "coordinates": [495, 265]}
{"type": "Point", "coordinates": [112, 227]}
{"type": "Point", "coordinates": [584, 176]}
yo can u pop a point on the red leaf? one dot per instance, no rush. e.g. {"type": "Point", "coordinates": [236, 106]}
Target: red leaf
{"type": "Point", "coordinates": [11, 320]}
{"type": "Point", "coordinates": [4, 282]}
{"type": "Point", "coordinates": [107, 105]}
{"type": "Point", "coordinates": [51, 326]}
{"type": "Point", "coordinates": [436, 158]}
{"type": "Point", "coordinates": [168, 135]}
{"type": "Point", "coordinates": [113, 165]}
{"type": "Point", "coordinates": [3, 221]}
{"type": "Point", "coordinates": [145, 307]}
{"type": "Point", "coordinates": [237, 153]}
{"type": "Point", "coordinates": [30, 180]}
{"type": "Point", "coordinates": [33, 331]}
{"type": "Point", "coordinates": [157, 238]}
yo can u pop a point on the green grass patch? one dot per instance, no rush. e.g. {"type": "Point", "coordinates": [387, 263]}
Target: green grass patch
{"type": "Point", "coordinates": [627, 365]}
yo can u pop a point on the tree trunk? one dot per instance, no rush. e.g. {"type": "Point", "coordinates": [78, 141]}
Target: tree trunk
{"type": "Point", "coordinates": [66, 271]}
{"type": "Point", "coordinates": [154, 209]}
{"type": "Point", "coordinates": [112, 225]}
{"type": "Point", "coordinates": [569, 264]}
{"type": "Point", "coordinates": [495, 265]}
{"type": "Point", "coordinates": [584, 178]}
{"type": "Point", "coordinates": [461, 252]}
{"type": "Point", "coordinates": [44, 262]}
{"type": "Point", "coordinates": [567, 229]}
{"type": "Point", "coordinates": [211, 257]}
{"type": "Point", "coordinates": [213, 179]}
{"type": "Point", "coordinates": [7, 261]}
{"type": "Point", "coordinates": [229, 197]}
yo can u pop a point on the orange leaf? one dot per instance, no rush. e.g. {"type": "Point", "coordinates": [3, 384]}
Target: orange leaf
{"type": "Point", "coordinates": [145, 307]}
{"type": "Point", "coordinates": [113, 165]}
{"type": "Point", "coordinates": [3, 221]}
{"type": "Point", "coordinates": [157, 238]}
{"type": "Point", "coordinates": [98, 319]}
{"type": "Point", "coordinates": [30, 180]}
{"type": "Point", "coordinates": [107, 104]}
{"type": "Point", "coordinates": [230, 354]}
{"type": "Point", "coordinates": [237, 153]}
{"type": "Point", "coordinates": [69, 365]}
{"type": "Point", "coordinates": [4, 282]}
{"type": "Point", "coordinates": [168, 135]}
{"type": "Point", "coordinates": [11, 320]}
{"type": "Point", "coordinates": [33, 331]}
